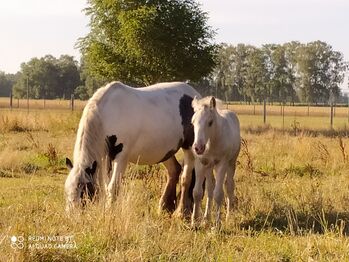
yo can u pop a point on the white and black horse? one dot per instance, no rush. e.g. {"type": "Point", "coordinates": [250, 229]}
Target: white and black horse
{"type": "Point", "coordinates": [122, 124]}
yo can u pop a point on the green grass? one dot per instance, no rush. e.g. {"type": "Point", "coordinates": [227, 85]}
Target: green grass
{"type": "Point", "coordinates": [292, 191]}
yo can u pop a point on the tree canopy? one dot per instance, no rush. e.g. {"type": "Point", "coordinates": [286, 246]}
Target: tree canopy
{"type": "Point", "coordinates": [147, 41]}
{"type": "Point", "coordinates": [6, 83]}
{"type": "Point", "coordinates": [309, 73]}
{"type": "Point", "coordinates": [48, 77]}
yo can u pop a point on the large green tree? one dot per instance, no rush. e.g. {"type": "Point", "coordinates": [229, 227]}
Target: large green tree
{"type": "Point", "coordinates": [147, 41]}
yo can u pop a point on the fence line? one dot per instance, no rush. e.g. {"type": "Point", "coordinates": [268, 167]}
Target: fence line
{"type": "Point", "coordinates": [264, 113]}
{"type": "Point", "coordinates": [37, 104]}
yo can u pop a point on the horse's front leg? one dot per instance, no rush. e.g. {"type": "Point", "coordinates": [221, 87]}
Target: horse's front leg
{"type": "Point", "coordinates": [218, 193]}
{"type": "Point", "coordinates": [118, 167]}
{"type": "Point", "coordinates": [201, 172]}
{"type": "Point", "coordinates": [184, 201]}
{"type": "Point", "coordinates": [210, 182]}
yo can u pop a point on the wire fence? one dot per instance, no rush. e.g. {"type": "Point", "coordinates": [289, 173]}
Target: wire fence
{"type": "Point", "coordinates": [276, 115]}
{"type": "Point", "coordinates": [41, 104]}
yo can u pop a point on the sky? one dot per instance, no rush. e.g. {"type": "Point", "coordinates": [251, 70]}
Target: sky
{"type": "Point", "coordinates": [34, 28]}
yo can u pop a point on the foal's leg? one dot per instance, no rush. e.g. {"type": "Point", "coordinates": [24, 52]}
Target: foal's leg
{"type": "Point", "coordinates": [119, 167]}
{"type": "Point", "coordinates": [229, 188]}
{"type": "Point", "coordinates": [201, 172]}
{"type": "Point", "coordinates": [210, 182]}
{"type": "Point", "coordinates": [184, 203]}
{"type": "Point", "coordinates": [218, 193]}
{"type": "Point", "coordinates": [168, 198]}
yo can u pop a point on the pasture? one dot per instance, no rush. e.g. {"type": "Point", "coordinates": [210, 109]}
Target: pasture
{"type": "Point", "coordinates": [292, 186]}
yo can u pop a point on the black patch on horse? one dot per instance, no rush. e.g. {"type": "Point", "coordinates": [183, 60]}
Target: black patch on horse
{"type": "Point", "coordinates": [89, 190]}
{"type": "Point", "coordinates": [112, 148]}
{"type": "Point", "coordinates": [186, 111]}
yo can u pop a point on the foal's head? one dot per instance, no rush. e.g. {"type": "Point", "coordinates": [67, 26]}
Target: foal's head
{"type": "Point", "coordinates": [203, 121]}
{"type": "Point", "coordinates": [80, 185]}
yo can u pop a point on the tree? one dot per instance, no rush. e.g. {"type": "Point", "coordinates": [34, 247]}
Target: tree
{"type": "Point", "coordinates": [6, 83]}
{"type": "Point", "coordinates": [48, 77]}
{"type": "Point", "coordinates": [68, 76]}
{"type": "Point", "coordinates": [321, 71]}
{"type": "Point", "coordinates": [281, 74]}
{"type": "Point", "coordinates": [144, 42]}
{"type": "Point", "coordinates": [257, 77]}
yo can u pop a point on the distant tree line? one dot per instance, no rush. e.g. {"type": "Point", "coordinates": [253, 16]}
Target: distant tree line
{"type": "Point", "coordinates": [293, 72]}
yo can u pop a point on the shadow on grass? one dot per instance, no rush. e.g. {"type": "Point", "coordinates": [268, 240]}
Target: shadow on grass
{"type": "Point", "coordinates": [297, 223]}
{"type": "Point", "coordinates": [296, 131]}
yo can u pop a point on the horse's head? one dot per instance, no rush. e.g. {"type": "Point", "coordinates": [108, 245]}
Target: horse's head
{"type": "Point", "coordinates": [80, 185]}
{"type": "Point", "coordinates": [203, 122]}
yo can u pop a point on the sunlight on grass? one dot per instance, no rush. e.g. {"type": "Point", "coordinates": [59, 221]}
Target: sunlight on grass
{"type": "Point", "coordinates": [292, 193]}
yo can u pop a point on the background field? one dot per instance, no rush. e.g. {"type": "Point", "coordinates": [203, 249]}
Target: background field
{"type": "Point", "coordinates": [292, 187]}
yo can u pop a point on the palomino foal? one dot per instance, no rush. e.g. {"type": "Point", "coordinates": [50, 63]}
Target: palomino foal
{"type": "Point", "coordinates": [216, 146]}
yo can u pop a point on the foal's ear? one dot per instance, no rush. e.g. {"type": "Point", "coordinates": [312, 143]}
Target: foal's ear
{"type": "Point", "coordinates": [194, 103]}
{"type": "Point", "coordinates": [68, 163]}
{"type": "Point", "coordinates": [213, 103]}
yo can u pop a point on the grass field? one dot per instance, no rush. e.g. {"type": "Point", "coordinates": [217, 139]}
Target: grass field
{"type": "Point", "coordinates": [292, 187]}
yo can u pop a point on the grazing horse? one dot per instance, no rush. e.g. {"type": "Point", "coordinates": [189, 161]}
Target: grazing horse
{"type": "Point", "coordinates": [122, 124]}
{"type": "Point", "coordinates": [216, 146]}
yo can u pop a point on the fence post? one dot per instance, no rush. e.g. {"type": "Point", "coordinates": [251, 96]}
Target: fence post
{"type": "Point", "coordinates": [331, 115]}
{"type": "Point", "coordinates": [11, 100]}
{"type": "Point", "coordinates": [72, 102]}
{"type": "Point", "coordinates": [283, 117]}
{"type": "Point", "coordinates": [27, 95]}
{"type": "Point", "coordinates": [264, 111]}
{"type": "Point", "coordinates": [348, 109]}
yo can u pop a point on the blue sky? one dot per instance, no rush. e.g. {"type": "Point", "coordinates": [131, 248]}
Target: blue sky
{"type": "Point", "coordinates": [34, 28]}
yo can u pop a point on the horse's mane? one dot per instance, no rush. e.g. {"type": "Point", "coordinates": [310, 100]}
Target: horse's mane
{"type": "Point", "coordinates": [90, 142]}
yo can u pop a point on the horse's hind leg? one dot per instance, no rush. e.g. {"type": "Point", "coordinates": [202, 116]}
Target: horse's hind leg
{"type": "Point", "coordinates": [229, 189]}
{"type": "Point", "coordinates": [168, 198]}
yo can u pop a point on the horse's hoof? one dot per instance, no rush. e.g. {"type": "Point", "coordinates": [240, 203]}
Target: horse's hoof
{"type": "Point", "coordinates": [194, 225]}
{"type": "Point", "coordinates": [178, 214]}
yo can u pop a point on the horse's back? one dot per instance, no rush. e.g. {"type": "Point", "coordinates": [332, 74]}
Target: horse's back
{"type": "Point", "coordinates": [232, 129]}
{"type": "Point", "coordinates": [148, 120]}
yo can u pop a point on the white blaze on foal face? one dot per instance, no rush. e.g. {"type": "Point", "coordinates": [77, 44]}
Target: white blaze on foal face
{"type": "Point", "coordinates": [202, 121]}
